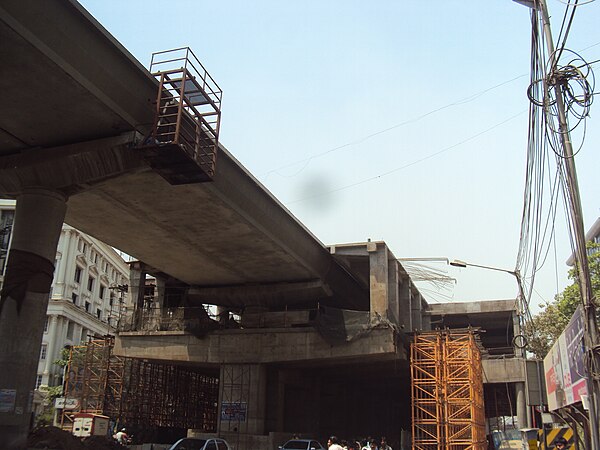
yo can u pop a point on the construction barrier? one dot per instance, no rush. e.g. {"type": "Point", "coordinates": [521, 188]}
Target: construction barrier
{"type": "Point", "coordinates": [552, 434]}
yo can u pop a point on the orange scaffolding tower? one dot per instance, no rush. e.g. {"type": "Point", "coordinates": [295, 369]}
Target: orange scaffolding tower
{"type": "Point", "coordinates": [447, 391]}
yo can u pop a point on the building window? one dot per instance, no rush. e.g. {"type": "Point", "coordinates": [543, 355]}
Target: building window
{"type": "Point", "coordinates": [82, 246]}
{"type": "Point", "coordinates": [87, 306]}
{"type": "Point", "coordinates": [38, 381]}
{"type": "Point", "coordinates": [75, 298]}
{"type": "Point", "coordinates": [101, 294]}
{"type": "Point", "coordinates": [46, 325]}
{"type": "Point", "coordinates": [44, 351]}
{"type": "Point", "coordinates": [77, 274]}
{"type": "Point", "coordinates": [90, 284]}
{"type": "Point", "coordinates": [70, 329]}
{"type": "Point", "coordinates": [99, 313]}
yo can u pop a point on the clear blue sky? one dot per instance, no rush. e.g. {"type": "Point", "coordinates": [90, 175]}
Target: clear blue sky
{"type": "Point", "coordinates": [426, 99]}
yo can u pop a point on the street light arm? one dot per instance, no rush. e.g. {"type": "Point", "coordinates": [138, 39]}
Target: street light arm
{"type": "Point", "coordinates": [459, 263]}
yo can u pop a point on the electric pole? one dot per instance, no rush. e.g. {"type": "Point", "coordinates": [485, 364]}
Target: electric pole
{"type": "Point", "coordinates": [558, 84]}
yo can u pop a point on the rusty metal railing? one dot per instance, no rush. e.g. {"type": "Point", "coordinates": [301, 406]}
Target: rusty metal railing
{"type": "Point", "coordinates": [188, 106]}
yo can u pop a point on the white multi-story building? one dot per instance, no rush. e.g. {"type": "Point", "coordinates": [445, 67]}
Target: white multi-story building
{"type": "Point", "coordinates": [86, 298]}
{"type": "Point", "coordinates": [592, 235]}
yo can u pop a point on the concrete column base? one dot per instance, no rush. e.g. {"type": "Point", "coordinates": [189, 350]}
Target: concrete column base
{"type": "Point", "coordinates": [23, 301]}
{"type": "Point", "coordinates": [521, 404]}
{"type": "Point", "coordinates": [242, 399]}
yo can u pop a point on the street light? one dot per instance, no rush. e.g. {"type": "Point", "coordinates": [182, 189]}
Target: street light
{"type": "Point", "coordinates": [519, 344]}
{"type": "Point", "coordinates": [515, 273]}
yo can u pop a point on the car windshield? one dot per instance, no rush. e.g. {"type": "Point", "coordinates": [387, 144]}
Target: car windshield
{"type": "Point", "coordinates": [190, 444]}
{"type": "Point", "coordinates": [296, 445]}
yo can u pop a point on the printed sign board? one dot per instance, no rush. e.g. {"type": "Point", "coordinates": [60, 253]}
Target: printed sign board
{"type": "Point", "coordinates": [564, 366]}
{"type": "Point", "coordinates": [7, 400]}
{"type": "Point", "coordinates": [66, 403]}
{"type": "Point", "coordinates": [233, 411]}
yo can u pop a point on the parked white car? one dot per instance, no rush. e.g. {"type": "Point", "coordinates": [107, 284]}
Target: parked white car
{"type": "Point", "coordinates": [200, 444]}
{"type": "Point", "coordinates": [302, 444]}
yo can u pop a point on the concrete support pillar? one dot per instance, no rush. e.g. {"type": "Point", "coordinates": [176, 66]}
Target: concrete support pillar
{"type": "Point", "coordinates": [222, 314]}
{"type": "Point", "coordinates": [23, 301]}
{"type": "Point", "coordinates": [378, 279]}
{"type": "Point", "coordinates": [405, 304]}
{"type": "Point", "coordinates": [521, 404]}
{"type": "Point", "coordinates": [160, 293]}
{"type": "Point", "coordinates": [242, 399]}
{"type": "Point", "coordinates": [416, 313]}
{"type": "Point", "coordinates": [137, 285]}
{"type": "Point", "coordinates": [425, 320]}
{"type": "Point", "coordinates": [393, 292]}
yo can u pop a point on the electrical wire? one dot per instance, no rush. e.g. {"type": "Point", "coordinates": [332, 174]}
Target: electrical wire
{"type": "Point", "coordinates": [463, 101]}
{"type": "Point", "coordinates": [567, 74]}
{"type": "Point", "coordinates": [397, 169]}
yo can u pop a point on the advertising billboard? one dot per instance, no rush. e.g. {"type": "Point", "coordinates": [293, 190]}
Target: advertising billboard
{"type": "Point", "coordinates": [564, 366]}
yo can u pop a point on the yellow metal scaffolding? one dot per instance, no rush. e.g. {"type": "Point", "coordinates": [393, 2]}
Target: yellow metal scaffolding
{"type": "Point", "coordinates": [447, 391]}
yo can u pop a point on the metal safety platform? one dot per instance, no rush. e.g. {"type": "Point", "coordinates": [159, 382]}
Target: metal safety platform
{"type": "Point", "coordinates": [184, 141]}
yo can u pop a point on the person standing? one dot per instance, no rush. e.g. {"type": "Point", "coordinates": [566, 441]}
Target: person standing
{"type": "Point", "coordinates": [561, 443]}
{"type": "Point", "coordinates": [332, 444]}
{"type": "Point", "coordinates": [383, 445]}
{"type": "Point", "coordinates": [121, 437]}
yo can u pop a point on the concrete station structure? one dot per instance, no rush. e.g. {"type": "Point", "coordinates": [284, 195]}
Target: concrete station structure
{"type": "Point", "coordinates": [71, 150]}
{"type": "Point", "coordinates": [299, 362]}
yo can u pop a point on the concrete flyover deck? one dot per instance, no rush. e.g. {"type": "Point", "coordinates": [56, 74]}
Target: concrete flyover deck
{"type": "Point", "coordinates": [75, 105]}
{"type": "Point", "coordinates": [303, 346]}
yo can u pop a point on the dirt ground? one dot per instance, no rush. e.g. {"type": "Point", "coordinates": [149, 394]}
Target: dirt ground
{"type": "Point", "coordinates": [53, 438]}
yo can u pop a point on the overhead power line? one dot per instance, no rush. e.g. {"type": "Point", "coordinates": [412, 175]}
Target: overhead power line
{"type": "Point", "coordinates": [306, 161]}
{"type": "Point", "coordinates": [397, 169]}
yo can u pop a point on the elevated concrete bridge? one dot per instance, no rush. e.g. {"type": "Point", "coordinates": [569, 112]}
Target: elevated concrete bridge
{"type": "Point", "coordinates": [75, 107]}
{"type": "Point", "coordinates": [76, 113]}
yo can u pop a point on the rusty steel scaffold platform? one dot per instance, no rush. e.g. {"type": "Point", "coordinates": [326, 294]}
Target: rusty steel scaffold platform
{"type": "Point", "coordinates": [447, 391]}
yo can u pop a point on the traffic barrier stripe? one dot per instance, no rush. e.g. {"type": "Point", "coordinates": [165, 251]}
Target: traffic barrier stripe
{"type": "Point", "coordinates": [552, 435]}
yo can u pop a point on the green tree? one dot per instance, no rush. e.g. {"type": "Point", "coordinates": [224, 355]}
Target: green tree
{"type": "Point", "coordinates": [51, 393]}
{"type": "Point", "coordinates": [548, 324]}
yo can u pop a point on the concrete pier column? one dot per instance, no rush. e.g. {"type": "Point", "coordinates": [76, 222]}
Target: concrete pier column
{"type": "Point", "coordinates": [394, 292]}
{"type": "Point", "coordinates": [521, 404]}
{"type": "Point", "coordinates": [242, 399]}
{"type": "Point", "coordinates": [23, 301]}
{"type": "Point", "coordinates": [378, 279]}
{"type": "Point", "coordinates": [137, 286]}
{"type": "Point", "coordinates": [405, 318]}
{"type": "Point", "coordinates": [222, 314]}
{"type": "Point", "coordinates": [416, 311]}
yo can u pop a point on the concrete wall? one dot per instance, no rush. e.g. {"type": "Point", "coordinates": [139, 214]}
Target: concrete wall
{"type": "Point", "coordinates": [506, 370]}
{"type": "Point", "coordinates": [256, 346]}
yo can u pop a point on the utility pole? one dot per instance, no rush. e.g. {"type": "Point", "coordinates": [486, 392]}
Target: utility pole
{"type": "Point", "coordinates": [585, 286]}
{"type": "Point", "coordinates": [524, 418]}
